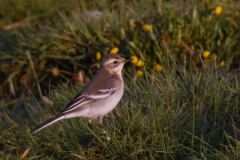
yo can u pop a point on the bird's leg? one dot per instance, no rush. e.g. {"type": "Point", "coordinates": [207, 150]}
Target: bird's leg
{"type": "Point", "coordinates": [100, 125]}
{"type": "Point", "coordinates": [90, 124]}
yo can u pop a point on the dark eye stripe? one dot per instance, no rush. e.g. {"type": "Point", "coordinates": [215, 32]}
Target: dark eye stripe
{"type": "Point", "coordinates": [112, 64]}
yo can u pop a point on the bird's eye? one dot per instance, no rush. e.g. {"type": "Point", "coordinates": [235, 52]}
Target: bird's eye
{"type": "Point", "coordinates": [115, 62]}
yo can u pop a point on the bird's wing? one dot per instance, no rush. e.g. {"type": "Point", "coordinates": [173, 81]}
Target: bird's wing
{"type": "Point", "coordinates": [84, 99]}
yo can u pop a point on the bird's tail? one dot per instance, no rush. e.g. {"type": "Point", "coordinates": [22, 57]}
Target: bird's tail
{"type": "Point", "coordinates": [47, 123]}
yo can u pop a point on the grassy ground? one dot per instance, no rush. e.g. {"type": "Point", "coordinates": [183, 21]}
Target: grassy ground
{"type": "Point", "coordinates": [185, 108]}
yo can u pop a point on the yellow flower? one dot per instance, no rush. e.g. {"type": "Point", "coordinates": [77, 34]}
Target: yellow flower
{"type": "Point", "coordinates": [114, 50]}
{"type": "Point", "coordinates": [139, 73]}
{"type": "Point", "coordinates": [218, 10]}
{"type": "Point", "coordinates": [134, 59]}
{"type": "Point", "coordinates": [222, 64]}
{"type": "Point", "coordinates": [98, 55]}
{"type": "Point", "coordinates": [139, 63]}
{"type": "Point", "coordinates": [158, 68]}
{"type": "Point", "coordinates": [146, 27]}
{"type": "Point", "coordinates": [206, 54]}
{"type": "Point", "coordinates": [55, 72]}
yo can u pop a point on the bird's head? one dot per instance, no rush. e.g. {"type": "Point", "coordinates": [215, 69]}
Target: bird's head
{"type": "Point", "coordinates": [113, 63]}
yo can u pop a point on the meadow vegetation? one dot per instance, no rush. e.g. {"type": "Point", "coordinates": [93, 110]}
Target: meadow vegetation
{"type": "Point", "coordinates": [181, 97]}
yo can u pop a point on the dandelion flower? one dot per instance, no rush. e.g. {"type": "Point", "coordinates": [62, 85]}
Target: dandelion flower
{"type": "Point", "coordinates": [218, 10]}
{"type": "Point", "coordinates": [146, 27]}
{"type": "Point", "coordinates": [114, 50]}
{"type": "Point", "coordinates": [158, 68]}
{"type": "Point", "coordinates": [139, 73]}
{"type": "Point", "coordinates": [98, 55]}
{"type": "Point", "coordinates": [134, 59]}
{"type": "Point", "coordinates": [139, 63]}
{"type": "Point", "coordinates": [206, 54]}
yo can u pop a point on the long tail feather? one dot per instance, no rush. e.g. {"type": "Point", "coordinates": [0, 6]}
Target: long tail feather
{"type": "Point", "coordinates": [47, 123]}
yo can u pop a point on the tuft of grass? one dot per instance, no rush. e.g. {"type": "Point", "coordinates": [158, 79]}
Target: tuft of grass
{"type": "Point", "coordinates": [67, 35]}
{"type": "Point", "coordinates": [187, 110]}
{"type": "Point", "coordinates": [161, 116]}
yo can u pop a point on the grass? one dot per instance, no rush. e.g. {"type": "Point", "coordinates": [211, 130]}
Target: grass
{"type": "Point", "coordinates": [170, 117]}
{"type": "Point", "coordinates": [189, 110]}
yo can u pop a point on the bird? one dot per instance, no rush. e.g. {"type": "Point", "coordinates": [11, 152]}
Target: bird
{"type": "Point", "coordinates": [99, 96]}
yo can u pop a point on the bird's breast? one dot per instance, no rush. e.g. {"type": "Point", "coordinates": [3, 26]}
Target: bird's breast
{"type": "Point", "coordinates": [107, 104]}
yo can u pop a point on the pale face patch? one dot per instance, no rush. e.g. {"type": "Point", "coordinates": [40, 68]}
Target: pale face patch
{"type": "Point", "coordinates": [115, 65]}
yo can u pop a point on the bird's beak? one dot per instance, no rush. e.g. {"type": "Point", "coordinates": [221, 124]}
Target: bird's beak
{"type": "Point", "coordinates": [127, 60]}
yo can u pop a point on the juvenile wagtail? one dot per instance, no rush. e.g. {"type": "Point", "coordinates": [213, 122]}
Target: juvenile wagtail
{"type": "Point", "coordinates": [98, 97]}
